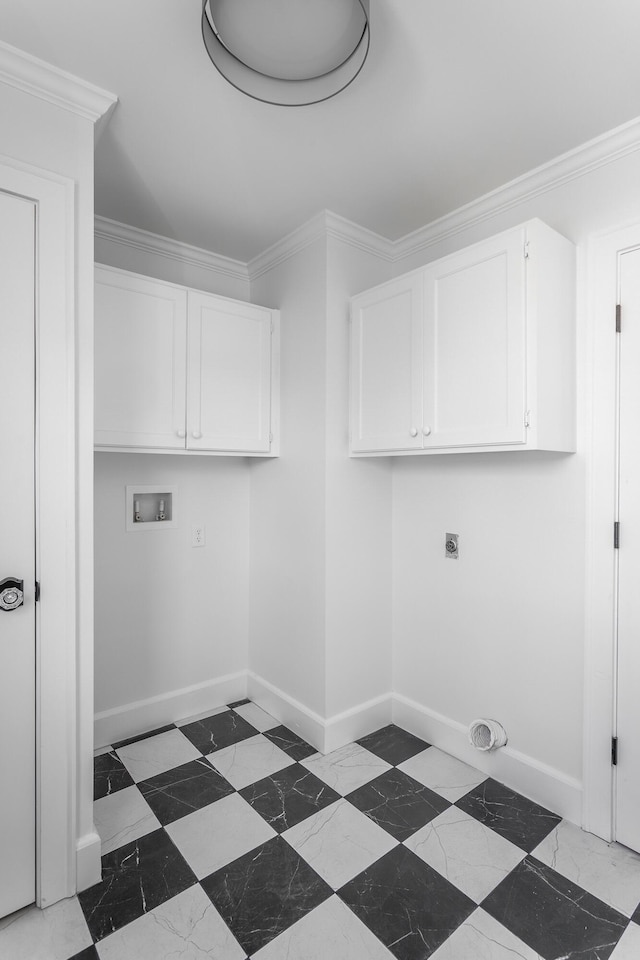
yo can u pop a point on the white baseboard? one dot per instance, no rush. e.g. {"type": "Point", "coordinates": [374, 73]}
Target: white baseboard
{"type": "Point", "coordinates": [131, 719]}
{"type": "Point", "coordinates": [290, 712]}
{"type": "Point", "coordinates": [544, 784]}
{"type": "Point", "coordinates": [88, 864]}
{"type": "Point", "coordinates": [358, 722]}
{"type": "Point", "coordinates": [324, 735]}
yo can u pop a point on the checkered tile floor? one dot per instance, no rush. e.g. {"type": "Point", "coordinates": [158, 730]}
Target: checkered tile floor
{"type": "Point", "coordinates": [228, 837]}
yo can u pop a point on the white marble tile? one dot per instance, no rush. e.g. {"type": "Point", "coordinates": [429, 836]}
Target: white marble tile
{"type": "Point", "coordinates": [330, 932]}
{"type": "Point", "coordinates": [481, 937]}
{"type": "Point", "coordinates": [339, 842]}
{"type": "Point", "coordinates": [123, 816]}
{"type": "Point", "coordinates": [249, 761]}
{"type": "Point", "coordinates": [473, 857]}
{"type": "Point", "coordinates": [214, 711]}
{"type": "Point", "coordinates": [100, 750]}
{"type": "Point", "coordinates": [607, 870]}
{"type": "Point", "coordinates": [348, 768]}
{"type": "Point", "coordinates": [146, 758]}
{"type": "Point", "coordinates": [628, 946]}
{"type": "Point", "coordinates": [256, 716]}
{"type": "Point", "coordinates": [188, 927]}
{"type": "Point", "coordinates": [442, 773]}
{"type": "Point", "coordinates": [56, 933]}
{"type": "Point", "coordinates": [218, 834]}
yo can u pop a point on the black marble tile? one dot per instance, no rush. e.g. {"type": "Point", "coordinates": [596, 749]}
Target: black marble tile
{"type": "Point", "coordinates": [398, 803]}
{"type": "Point", "coordinates": [289, 796]}
{"type": "Point", "coordinates": [238, 703]}
{"type": "Point", "coordinates": [264, 892]}
{"type": "Point", "coordinates": [635, 916]}
{"type": "Point", "coordinates": [135, 878]}
{"type": "Point", "coordinates": [293, 745]}
{"type": "Point", "coordinates": [221, 730]}
{"type": "Point", "coordinates": [407, 904]}
{"type": "Point", "coordinates": [553, 915]}
{"type": "Point", "coordinates": [177, 792]}
{"type": "Point", "coordinates": [109, 775]}
{"type": "Point", "coordinates": [143, 736]}
{"type": "Point", "coordinates": [89, 954]}
{"type": "Point", "coordinates": [510, 814]}
{"type": "Point", "coordinates": [393, 744]}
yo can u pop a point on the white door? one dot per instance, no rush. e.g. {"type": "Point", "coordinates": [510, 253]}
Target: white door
{"type": "Point", "coordinates": [386, 367]}
{"type": "Point", "coordinates": [229, 376]}
{"type": "Point", "coordinates": [17, 554]}
{"type": "Point", "coordinates": [474, 345]}
{"type": "Point", "coordinates": [627, 826]}
{"type": "Point", "coordinates": [140, 362]}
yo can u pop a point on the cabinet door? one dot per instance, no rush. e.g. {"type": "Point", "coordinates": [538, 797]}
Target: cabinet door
{"type": "Point", "coordinates": [140, 362]}
{"type": "Point", "coordinates": [229, 393]}
{"type": "Point", "coordinates": [386, 367]}
{"type": "Point", "coordinates": [474, 345]}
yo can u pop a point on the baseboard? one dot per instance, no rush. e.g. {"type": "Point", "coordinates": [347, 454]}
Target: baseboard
{"type": "Point", "coordinates": [544, 784]}
{"type": "Point", "coordinates": [289, 711]}
{"type": "Point", "coordinates": [324, 735]}
{"type": "Point", "coordinates": [358, 722]}
{"type": "Point", "coordinates": [131, 719]}
{"type": "Point", "coordinates": [88, 864]}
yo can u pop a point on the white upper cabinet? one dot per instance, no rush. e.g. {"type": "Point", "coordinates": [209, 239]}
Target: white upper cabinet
{"type": "Point", "coordinates": [474, 352]}
{"type": "Point", "coordinates": [179, 371]}
{"type": "Point", "coordinates": [140, 345]}
{"type": "Point", "coordinates": [386, 381]}
{"type": "Point", "coordinates": [229, 399]}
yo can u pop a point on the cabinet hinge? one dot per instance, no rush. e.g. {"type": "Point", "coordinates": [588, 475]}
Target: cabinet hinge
{"type": "Point", "coordinates": [614, 751]}
{"type": "Point", "coordinates": [618, 317]}
{"type": "Point", "coordinates": [616, 534]}
{"type": "Point", "coordinates": [527, 418]}
{"type": "Point", "coordinates": [526, 249]}
{"type": "Point", "coordinates": [270, 438]}
{"type": "Point", "coordinates": [37, 592]}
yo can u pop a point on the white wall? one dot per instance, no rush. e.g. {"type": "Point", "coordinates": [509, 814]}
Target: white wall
{"type": "Point", "coordinates": [288, 522]}
{"type": "Point", "coordinates": [500, 632]}
{"type": "Point", "coordinates": [358, 499]}
{"type": "Point", "coordinates": [169, 616]}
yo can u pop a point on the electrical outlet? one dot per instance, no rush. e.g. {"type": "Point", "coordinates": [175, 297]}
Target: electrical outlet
{"type": "Point", "coordinates": [451, 546]}
{"type": "Point", "coordinates": [197, 535]}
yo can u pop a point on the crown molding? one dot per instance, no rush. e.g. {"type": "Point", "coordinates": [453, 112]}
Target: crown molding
{"type": "Point", "coordinates": [39, 79]}
{"type": "Point", "coordinates": [324, 224]}
{"type": "Point", "coordinates": [153, 243]}
{"type": "Point", "coordinates": [607, 148]}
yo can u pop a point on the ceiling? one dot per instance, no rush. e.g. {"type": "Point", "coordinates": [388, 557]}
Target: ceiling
{"type": "Point", "coordinates": [456, 98]}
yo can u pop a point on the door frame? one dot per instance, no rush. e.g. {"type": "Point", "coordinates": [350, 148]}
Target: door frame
{"type": "Point", "coordinates": [56, 495]}
{"type": "Point", "coordinates": [602, 262]}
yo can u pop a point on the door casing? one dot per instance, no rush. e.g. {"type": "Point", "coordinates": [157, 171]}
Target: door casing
{"type": "Point", "coordinates": [56, 517]}
{"type": "Point", "coordinates": [603, 344]}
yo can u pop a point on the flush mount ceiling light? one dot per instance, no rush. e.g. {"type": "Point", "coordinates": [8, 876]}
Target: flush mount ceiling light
{"type": "Point", "coordinates": [287, 52]}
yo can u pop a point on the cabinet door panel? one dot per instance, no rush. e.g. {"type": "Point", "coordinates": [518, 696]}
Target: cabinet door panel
{"type": "Point", "coordinates": [474, 346]}
{"type": "Point", "coordinates": [229, 405]}
{"type": "Point", "coordinates": [140, 362]}
{"type": "Point", "coordinates": [386, 367]}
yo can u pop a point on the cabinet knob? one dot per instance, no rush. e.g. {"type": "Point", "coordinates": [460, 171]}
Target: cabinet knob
{"type": "Point", "coordinates": [414, 431]}
{"type": "Point", "coordinates": [426, 430]}
{"type": "Point", "coordinates": [196, 434]}
{"type": "Point", "coordinates": [181, 433]}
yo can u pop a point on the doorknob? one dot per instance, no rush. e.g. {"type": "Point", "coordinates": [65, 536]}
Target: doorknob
{"type": "Point", "coordinates": [11, 593]}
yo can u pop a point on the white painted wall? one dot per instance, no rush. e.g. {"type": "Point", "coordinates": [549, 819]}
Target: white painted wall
{"type": "Point", "coordinates": [288, 519]}
{"type": "Point", "coordinates": [500, 632]}
{"type": "Point", "coordinates": [358, 499]}
{"type": "Point", "coordinates": [169, 616]}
